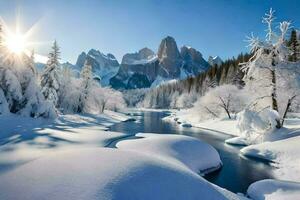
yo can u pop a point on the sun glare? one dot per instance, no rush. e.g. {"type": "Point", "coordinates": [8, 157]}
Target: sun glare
{"type": "Point", "coordinates": [16, 43]}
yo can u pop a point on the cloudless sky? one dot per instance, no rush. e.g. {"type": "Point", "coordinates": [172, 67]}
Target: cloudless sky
{"type": "Point", "coordinates": [214, 27]}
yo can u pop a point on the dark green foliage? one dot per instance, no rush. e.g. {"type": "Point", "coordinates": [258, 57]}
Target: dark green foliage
{"type": "Point", "coordinates": [294, 46]}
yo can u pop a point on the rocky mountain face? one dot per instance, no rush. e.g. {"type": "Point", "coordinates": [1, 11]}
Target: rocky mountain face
{"type": "Point", "coordinates": [104, 66]}
{"type": "Point", "coordinates": [193, 62]}
{"type": "Point", "coordinates": [146, 69]}
{"type": "Point", "coordinates": [215, 61]}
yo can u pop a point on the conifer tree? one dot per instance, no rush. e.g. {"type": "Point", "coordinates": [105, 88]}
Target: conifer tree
{"type": "Point", "coordinates": [294, 47]}
{"type": "Point", "coordinates": [50, 78]}
{"type": "Point", "coordinates": [86, 85]}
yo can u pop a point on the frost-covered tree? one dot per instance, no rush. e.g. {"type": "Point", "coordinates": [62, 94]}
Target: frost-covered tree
{"type": "Point", "coordinates": [264, 71]}
{"type": "Point", "coordinates": [33, 101]}
{"type": "Point", "coordinates": [135, 96]}
{"type": "Point", "coordinates": [50, 78]}
{"type": "Point", "coordinates": [225, 99]}
{"type": "Point", "coordinates": [86, 86]}
{"type": "Point", "coordinates": [20, 92]}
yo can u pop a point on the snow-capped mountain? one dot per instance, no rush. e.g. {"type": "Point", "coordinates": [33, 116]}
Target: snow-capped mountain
{"type": "Point", "coordinates": [138, 70]}
{"type": "Point", "coordinates": [146, 69]}
{"type": "Point", "coordinates": [215, 61]}
{"type": "Point", "coordinates": [144, 56]}
{"type": "Point", "coordinates": [193, 62]}
{"type": "Point", "coordinates": [104, 66]}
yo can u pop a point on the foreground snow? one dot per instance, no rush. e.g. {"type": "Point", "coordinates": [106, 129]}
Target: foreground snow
{"type": "Point", "coordinates": [184, 151]}
{"type": "Point", "coordinates": [285, 154]}
{"type": "Point", "coordinates": [103, 174]}
{"type": "Point", "coordinates": [25, 139]}
{"type": "Point", "coordinates": [274, 190]}
{"type": "Point", "coordinates": [67, 159]}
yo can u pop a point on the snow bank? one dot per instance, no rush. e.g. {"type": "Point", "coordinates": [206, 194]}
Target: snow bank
{"type": "Point", "coordinates": [270, 189]}
{"type": "Point", "coordinates": [237, 141]}
{"type": "Point", "coordinates": [181, 150]}
{"type": "Point", "coordinates": [226, 126]}
{"type": "Point", "coordinates": [285, 154]}
{"type": "Point", "coordinates": [98, 173]}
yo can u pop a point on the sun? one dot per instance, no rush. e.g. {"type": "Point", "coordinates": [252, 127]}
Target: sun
{"type": "Point", "coordinates": [16, 43]}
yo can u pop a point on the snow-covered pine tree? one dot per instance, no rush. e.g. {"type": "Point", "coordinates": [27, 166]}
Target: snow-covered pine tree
{"type": "Point", "coordinates": [33, 101]}
{"type": "Point", "coordinates": [50, 78]}
{"type": "Point", "coordinates": [86, 76]}
{"type": "Point", "coordinates": [19, 92]}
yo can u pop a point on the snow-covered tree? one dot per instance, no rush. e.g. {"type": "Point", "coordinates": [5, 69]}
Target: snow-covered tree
{"type": "Point", "coordinates": [265, 70]}
{"type": "Point", "coordinates": [50, 78]}
{"type": "Point", "coordinates": [33, 101]}
{"type": "Point", "coordinates": [135, 96]}
{"type": "Point", "coordinates": [225, 99]}
{"type": "Point", "coordinates": [86, 86]}
{"type": "Point", "coordinates": [19, 91]}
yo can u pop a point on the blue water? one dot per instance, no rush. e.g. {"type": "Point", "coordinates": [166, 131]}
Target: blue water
{"type": "Point", "coordinates": [237, 172]}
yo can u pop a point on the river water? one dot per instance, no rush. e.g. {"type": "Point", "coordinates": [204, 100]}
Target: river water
{"type": "Point", "coordinates": [237, 172]}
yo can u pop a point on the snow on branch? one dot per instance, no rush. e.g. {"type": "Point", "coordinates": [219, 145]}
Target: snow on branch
{"type": "Point", "coordinates": [253, 43]}
{"type": "Point", "coordinates": [284, 27]}
{"type": "Point", "coordinates": [268, 19]}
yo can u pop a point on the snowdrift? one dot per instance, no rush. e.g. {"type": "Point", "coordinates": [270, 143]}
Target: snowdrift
{"type": "Point", "coordinates": [98, 173]}
{"type": "Point", "coordinates": [183, 151]}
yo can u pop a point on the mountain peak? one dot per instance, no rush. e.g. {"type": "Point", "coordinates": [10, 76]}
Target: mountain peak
{"type": "Point", "coordinates": [143, 56]}
{"type": "Point", "coordinates": [168, 48]}
{"type": "Point", "coordinates": [215, 60]}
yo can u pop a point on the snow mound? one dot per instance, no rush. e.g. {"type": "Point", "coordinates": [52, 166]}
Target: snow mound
{"type": "Point", "coordinates": [181, 150]}
{"type": "Point", "coordinates": [270, 189]}
{"type": "Point", "coordinates": [237, 141]}
{"type": "Point", "coordinates": [285, 153]}
{"type": "Point", "coordinates": [98, 173]}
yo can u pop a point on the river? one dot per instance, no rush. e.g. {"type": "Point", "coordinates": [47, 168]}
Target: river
{"type": "Point", "coordinates": [237, 172]}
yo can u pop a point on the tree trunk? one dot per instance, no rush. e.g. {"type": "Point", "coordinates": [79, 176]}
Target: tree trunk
{"type": "Point", "coordinates": [229, 116]}
{"type": "Point", "coordinates": [274, 96]}
{"type": "Point", "coordinates": [286, 109]}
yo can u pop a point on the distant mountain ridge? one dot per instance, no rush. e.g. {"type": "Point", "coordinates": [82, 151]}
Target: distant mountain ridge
{"type": "Point", "coordinates": [144, 68]}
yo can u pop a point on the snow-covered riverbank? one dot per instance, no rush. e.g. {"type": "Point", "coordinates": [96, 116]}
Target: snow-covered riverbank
{"type": "Point", "coordinates": [280, 147]}
{"type": "Point", "coordinates": [40, 157]}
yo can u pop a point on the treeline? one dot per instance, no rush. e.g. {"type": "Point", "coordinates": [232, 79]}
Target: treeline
{"type": "Point", "coordinates": [184, 93]}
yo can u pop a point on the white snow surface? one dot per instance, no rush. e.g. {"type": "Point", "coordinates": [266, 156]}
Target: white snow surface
{"type": "Point", "coordinates": [99, 173]}
{"type": "Point", "coordinates": [24, 139]}
{"type": "Point", "coordinates": [237, 141]}
{"type": "Point", "coordinates": [184, 151]}
{"type": "Point", "coordinates": [68, 159]}
{"type": "Point", "coordinates": [281, 147]}
{"type": "Point", "coordinates": [270, 189]}
{"type": "Point", "coordinates": [285, 154]}
{"type": "Point", "coordinates": [187, 116]}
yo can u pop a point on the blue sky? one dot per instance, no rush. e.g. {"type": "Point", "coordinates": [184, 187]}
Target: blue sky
{"type": "Point", "coordinates": [214, 27]}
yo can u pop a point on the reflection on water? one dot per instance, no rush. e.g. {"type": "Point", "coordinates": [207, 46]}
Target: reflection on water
{"type": "Point", "coordinates": [237, 172]}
